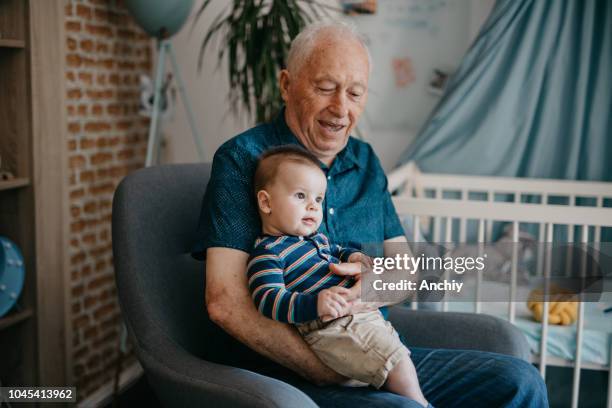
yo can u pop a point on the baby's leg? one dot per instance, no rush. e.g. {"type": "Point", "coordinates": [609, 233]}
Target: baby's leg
{"type": "Point", "coordinates": [403, 380]}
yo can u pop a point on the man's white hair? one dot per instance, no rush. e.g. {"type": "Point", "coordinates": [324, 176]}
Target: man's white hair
{"type": "Point", "coordinates": [303, 44]}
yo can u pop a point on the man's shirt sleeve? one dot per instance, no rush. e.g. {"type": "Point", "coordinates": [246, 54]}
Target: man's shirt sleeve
{"type": "Point", "coordinates": [392, 225]}
{"type": "Point", "coordinates": [229, 215]}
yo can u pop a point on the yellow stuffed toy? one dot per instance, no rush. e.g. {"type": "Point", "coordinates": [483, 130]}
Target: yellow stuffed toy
{"type": "Point", "coordinates": [562, 309]}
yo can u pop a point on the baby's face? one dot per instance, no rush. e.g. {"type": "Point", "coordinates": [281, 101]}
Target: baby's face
{"type": "Point", "coordinates": [295, 200]}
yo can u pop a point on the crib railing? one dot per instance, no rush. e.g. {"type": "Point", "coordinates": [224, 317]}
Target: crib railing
{"type": "Point", "coordinates": [441, 202]}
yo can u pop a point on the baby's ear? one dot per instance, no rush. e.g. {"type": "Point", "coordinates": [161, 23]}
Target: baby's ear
{"type": "Point", "coordinates": [263, 201]}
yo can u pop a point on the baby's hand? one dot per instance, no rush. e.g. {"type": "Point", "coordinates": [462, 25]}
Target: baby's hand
{"type": "Point", "coordinates": [332, 303]}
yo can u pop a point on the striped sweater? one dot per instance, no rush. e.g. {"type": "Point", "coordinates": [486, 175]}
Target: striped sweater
{"type": "Point", "coordinates": [286, 273]}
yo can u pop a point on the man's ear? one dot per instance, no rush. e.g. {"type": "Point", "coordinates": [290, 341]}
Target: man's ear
{"type": "Point", "coordinates": [263, 201]}
{"type": "Point", "coordinates": [283, 84]}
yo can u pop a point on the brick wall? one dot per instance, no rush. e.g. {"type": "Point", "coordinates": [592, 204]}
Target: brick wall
{"type": "Point", "coordinates": [105, 55]}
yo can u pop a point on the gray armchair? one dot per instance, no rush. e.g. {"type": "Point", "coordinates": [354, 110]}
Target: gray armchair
{"type": "Point", "coordinates": [161, 293]}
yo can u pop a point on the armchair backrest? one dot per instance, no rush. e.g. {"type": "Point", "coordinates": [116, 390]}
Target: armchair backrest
{"type": "Point", "coordinates": [160, 286]}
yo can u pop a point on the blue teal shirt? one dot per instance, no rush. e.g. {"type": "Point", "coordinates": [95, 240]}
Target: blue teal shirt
{"type": "Point", "coordinates": [357, 208]}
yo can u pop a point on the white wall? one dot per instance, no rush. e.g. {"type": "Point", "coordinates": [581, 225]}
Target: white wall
{"type": "Point", "coordinates": [427, 33]}
{"type": "Point", "coordinates": [208, 90]}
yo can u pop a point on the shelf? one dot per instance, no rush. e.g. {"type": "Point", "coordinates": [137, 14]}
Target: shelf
{"type": "Point", "coordinates": [14, 318]}
{"type": "Point", "coordinates": [14, 183]}
{"type": "Point", "coordinates": [8, 43]}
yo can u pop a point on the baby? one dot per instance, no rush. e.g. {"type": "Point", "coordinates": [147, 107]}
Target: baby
{"type": "Point", "coordinates": [290, 279]}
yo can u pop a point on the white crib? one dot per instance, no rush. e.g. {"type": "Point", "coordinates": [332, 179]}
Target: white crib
{"type": "Point", "coordinates": [422, 197]}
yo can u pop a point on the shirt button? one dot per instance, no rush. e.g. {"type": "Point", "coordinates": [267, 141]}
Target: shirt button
{"type": "Point", "coordinates": [331, 211]}
{"type": "Point", "coordinates": [329, 177]}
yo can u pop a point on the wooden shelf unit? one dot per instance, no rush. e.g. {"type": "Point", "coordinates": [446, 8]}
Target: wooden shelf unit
{"type": "Point", "coordinates": [13, 20]}
{"type": "Point", "coordinates": [14, 318]}
{"type": "Point", "coordinates": [34, 336]}
{"type": "Point", "coordinates": [14, 183]}
{"type": "Point", "coordinates": [7, 43]}
{"type": "Point", "coordinates": [18, 328]}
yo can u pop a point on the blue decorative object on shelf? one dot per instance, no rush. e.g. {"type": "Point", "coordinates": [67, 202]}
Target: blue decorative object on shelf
{"type": "Point", "coordinates": [12, 274]}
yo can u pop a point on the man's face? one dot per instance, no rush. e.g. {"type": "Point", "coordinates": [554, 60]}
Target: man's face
{"type": "Point", "coordinates": [325, 98]}
{"type": "Point", "coordinates": [294, 200]}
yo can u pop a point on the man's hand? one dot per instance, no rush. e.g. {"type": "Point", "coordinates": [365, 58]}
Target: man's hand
{"type": "Point", "coordinates": [333, 303]}
{"type": "Point", "coordinates": [365, 261]}
{"type": "Point", "coordinates": [347, 268]}
{"type": "Point", "coordinates": [356, 305]}
{"type": "Point", "coordinates": [358, 263]}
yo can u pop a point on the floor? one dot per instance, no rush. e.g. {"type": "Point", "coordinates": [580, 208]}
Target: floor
{"type": "Point", "coordinates": [139, 393]}
{"type": "Point", "coordinates": [593, 386]}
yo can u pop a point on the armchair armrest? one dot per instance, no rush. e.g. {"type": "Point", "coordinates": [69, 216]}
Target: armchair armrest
{"type": "Point", "coordinates": [451, 330]}
{"type": "Point", "coordinates": [183, 380]}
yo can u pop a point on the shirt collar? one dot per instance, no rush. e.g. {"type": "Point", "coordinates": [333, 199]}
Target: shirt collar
{"type": "Point", "coordinates": [263, 235]}
{"type": "Point", "coordinates": [345, 160]}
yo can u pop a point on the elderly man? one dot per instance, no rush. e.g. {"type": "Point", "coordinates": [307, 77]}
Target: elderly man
{"type": "Point", "coordinates": [325, 90]}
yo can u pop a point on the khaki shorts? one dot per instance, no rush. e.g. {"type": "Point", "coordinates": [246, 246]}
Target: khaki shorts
{"type": "Point", "coordinates": [364, 346]}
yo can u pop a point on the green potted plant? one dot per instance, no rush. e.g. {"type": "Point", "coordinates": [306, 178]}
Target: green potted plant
{"type": "Point", "coordinates": [255, 36]}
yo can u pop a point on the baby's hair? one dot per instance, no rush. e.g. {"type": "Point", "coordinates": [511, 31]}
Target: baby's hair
{"type": "Point", "coordinates": [270, 160]}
